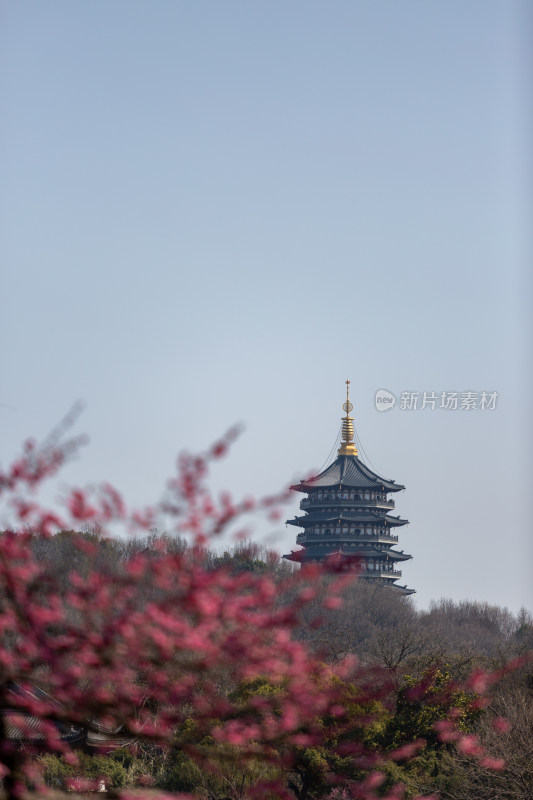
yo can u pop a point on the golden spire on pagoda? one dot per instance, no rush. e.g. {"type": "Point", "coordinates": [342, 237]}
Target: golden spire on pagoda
{"type": "Point", "coordinates": [347, 447]}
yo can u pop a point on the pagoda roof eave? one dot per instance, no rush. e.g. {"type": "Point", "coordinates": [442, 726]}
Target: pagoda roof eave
{"type": "Point", "coordinates": [316, 554]}
{"type": "Point", "coordinates": [403, 590]}
{"type": "Point", "coordinates": [295, 555]}
{"type": "Point", "coordinates": [347, 471]}
{"type": "Point", "coordinates": [328, 516]}
{"type": "Point", "coordinates": [355, 551]}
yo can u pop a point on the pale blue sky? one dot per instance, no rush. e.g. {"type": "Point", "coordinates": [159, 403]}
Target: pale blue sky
{"type": "Point", "coordinates": [216, 212]}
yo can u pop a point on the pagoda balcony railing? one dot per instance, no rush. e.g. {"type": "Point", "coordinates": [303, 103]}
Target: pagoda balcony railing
{"type": "Point", "coordinates": [377, 537]}
{"type": "Point", "coordinates": [314, 503]}
{"type": "Point", "coordinates": [381, 573]}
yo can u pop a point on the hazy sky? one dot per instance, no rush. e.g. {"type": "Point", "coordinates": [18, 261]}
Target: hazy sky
{"type": "Point", "coordinates": [218, 211]}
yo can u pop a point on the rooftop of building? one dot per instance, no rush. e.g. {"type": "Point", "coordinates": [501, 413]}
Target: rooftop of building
{"type": "Point", "coordinates": [348, 471]}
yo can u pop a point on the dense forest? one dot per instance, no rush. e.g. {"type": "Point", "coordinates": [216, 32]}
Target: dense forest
{"type": "Point", "coordinates": [418, 657]}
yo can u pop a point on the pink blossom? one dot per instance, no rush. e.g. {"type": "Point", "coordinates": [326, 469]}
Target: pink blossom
{"type": "Point", "coordinates": [493, 763]}
{"type": "Point", "coordinates": [152, 665]}
{"type": "Point", "coordinates": [501, 725]}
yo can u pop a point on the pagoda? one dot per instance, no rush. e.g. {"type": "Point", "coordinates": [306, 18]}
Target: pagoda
{"type": "Point", "coordinates": [347, 519]}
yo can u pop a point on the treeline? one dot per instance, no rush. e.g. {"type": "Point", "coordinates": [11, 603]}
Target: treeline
{"type": "Point", "coordinates": [418, 658]}
{"type": "Point", "coordinates": [378, 625]}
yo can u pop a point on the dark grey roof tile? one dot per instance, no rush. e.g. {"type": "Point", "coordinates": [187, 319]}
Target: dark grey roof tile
{"type": "Point", "coordinates": [348, 471]}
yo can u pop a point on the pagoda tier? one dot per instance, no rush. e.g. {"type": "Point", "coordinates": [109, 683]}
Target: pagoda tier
{"type": "Point", "coordinates": [346, 516]}
{"type": "Point", "coordinates": [371, 550]}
